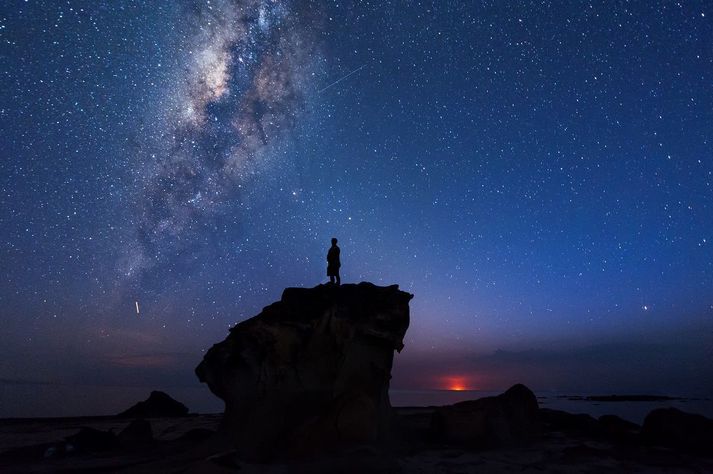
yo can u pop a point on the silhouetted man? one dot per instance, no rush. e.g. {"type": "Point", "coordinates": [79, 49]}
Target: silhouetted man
{"type": "Point", "coordinates": [333, 263]}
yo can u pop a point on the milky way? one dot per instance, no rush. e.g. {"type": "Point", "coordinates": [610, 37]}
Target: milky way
{"type": "Point", "coordinates": [242, 90]}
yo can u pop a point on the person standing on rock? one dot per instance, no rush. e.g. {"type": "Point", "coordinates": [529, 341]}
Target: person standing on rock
{"type": "Point", "coordinates": [333, 263]}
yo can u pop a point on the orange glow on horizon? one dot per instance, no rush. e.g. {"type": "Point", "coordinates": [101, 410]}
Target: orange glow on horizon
{"type": "Point", "coordinates": [456, 383]}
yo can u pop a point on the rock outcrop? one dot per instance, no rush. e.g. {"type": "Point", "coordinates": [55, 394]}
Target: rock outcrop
{"type": "Point", "coordinates": [159, 404]}
{"type": "Point", "coordinates": [505, 420]}
{"type": "Point", "coordinates": [578, 424]}
{"type": "Point", "coordinates": [311, 372]}
{"type": "Point", "coordinates": [618, 429]}
{"type": "Point", "coordinates": [677, 429]}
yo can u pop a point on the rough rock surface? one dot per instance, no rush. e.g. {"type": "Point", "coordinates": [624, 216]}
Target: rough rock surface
{"type": "Point", "coordinates": [618, 429]}
{"type": "Point", "coordinates": [311, 372]}
{"type": "Point", "coordinates": [505, 420]}
{"type": "Point", "coordinates": [677, 429]}
{"type": "Point", "coordinates": [579, 424]}
{"type": "Point", "coordinates": [159, 404]}
{"type": "Point", "coordinates": [191, 445]}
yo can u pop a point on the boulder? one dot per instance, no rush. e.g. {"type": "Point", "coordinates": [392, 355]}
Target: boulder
{"type": "Point", "coordinates": [579, 424]}
{"type": "Point", "coordinates": [311, 372]}
{"type": "Point", "coordinates": [674, 428]}
{"type": "Point", "coordinates": [505, 420]}
{"type": "Point", "coordinates": [159, 404]}
{"type": "Point", "coordinates": [619, 429]}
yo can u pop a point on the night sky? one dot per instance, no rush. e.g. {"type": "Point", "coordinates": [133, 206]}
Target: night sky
{"type": "Point", "coordinates": [539, 174]}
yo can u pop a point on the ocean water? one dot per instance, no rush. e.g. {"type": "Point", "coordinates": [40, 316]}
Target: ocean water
{"type": "Point", "coordinates": [570, 402]}
{"type": "Point", "coordinates": [37, 400]}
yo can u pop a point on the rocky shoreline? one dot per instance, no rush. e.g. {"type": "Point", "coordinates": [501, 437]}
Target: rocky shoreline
{"type": "Point", "coordinates": [306, 389]}
{"type": "Point", "coordinates": [193, 444]}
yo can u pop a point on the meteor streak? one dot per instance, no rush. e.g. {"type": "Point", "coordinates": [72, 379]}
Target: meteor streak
{"type": "Point", "coordinates": [137, 307]}
{"type": "Point", "coordinates": [342, 78]}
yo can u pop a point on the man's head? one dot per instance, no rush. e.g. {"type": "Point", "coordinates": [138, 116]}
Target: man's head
{"type": "Point", "coordinates": [334, 241]}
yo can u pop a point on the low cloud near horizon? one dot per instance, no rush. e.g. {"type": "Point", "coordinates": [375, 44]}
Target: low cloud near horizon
{"type": "Point", "coordinates": [676, 363]}
{"type": "Point", "coordinates": [677, 367]}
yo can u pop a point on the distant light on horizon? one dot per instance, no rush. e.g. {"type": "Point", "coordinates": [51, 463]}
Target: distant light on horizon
{"type": "Point", "coordinates": [457, 383]}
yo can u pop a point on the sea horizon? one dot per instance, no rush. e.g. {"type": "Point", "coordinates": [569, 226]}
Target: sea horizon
{"type": "Point", "coordinates": [61, 401]}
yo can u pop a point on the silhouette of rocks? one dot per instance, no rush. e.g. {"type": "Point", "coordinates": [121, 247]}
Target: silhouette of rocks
{"type": "Point", "coordinates": [577, 424]}
{"type": "Point", "coordinates": [159, 404]}
{"type": "Point", "coordinates": [674, 428]}
{"type": "Point", "coordinates": [619, 429]}
{"type": "Point", "coordinates": [507, 419]}
{"type": "Point", "coordinates": [137, 433]}
{"type": "Point", "coordinates": [311, 372]}
{"type": "Point", "coordinates": [203, 449]}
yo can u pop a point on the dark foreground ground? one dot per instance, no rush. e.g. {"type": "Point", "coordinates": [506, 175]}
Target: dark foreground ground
{"type": "Point", "coordinates": [190, 445]}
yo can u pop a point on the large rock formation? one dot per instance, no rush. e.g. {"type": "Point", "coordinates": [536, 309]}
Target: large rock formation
{"type": "Point", "coordinates": [311, 372]}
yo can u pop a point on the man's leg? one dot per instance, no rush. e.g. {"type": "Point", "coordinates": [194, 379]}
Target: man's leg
{"type": "Point", "coordinates": [339, 280]}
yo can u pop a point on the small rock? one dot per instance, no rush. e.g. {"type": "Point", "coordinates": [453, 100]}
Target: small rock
{"type": "Point", "coordinates": [51, 452]}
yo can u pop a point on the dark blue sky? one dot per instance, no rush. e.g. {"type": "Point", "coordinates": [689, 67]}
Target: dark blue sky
{"type": "Point", "coordinates": [538, 174]}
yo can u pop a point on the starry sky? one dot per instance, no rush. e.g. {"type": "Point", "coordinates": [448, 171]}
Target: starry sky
{"type": "Point", "coordinates": [538, 173]}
